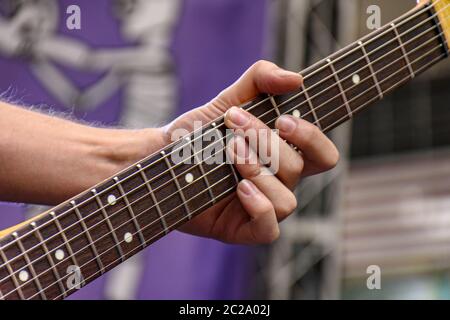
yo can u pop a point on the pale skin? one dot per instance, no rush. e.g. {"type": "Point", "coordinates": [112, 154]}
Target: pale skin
{"type": "Point", "coordinates": [47, 160]}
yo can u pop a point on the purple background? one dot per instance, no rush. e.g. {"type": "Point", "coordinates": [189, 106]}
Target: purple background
{"type": "Point", "coordinates": [214, 42]}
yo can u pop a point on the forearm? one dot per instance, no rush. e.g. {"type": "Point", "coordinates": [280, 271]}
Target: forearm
{"type": "Point", "coordinates": [47, 160]}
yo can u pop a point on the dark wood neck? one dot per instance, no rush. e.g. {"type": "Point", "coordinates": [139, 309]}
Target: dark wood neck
{"type": "Point", "coordinates": [103, 227]}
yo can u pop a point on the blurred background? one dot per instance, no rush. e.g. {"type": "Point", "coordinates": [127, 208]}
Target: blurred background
{"type": "Point", "coordinates": [140, 63]}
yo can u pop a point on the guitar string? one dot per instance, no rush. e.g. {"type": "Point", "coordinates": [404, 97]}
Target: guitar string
{"type": "Point", "coordinates": [133, 234]}
{"type": "Point", "coordinates": [370, 77]}
{"type": "Point", "coordinates": [368, 89]}
{"type": "Point", "coordinates": [417, 71]}
{"type": "Point", "coordinates": [138, 247]}
{"type": "Point", "coordinates": [201, 208]}
{"type": "Point", "coordinates": [425, 8]}
{"type": "Point", "coordinates": [201, 177]}
{"type": "Point", "coordinates": [364, 57]}
{"type": "Point", "coordinates": [432, 62]}
{"type": "Point", "coordinates": [181, 219]}
{"type": "Point", "coordinates": [396, 84]}
{"type": "Point", "coordinates": [182, 204]}
{"type": "Point", "coordinates": [417, 13]}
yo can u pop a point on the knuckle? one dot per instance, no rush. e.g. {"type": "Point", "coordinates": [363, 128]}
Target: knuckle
{"type": "Point", "coordinates": [287, 206]}
{"type": "Point", "coordinates": [309, 133]}
{"type": "Point", "coordinates": [267, 208]}
{"type": "Point", "coordinates": [272, 235]}
{"type": "Point", "coordinates": [261, 78]}
{"type": "Point", "coordinates": [252, 127]}
{"type": "Point", "coordinates": [260, 64]}
{"type": "Point", "coordinates": [296, 168]}
{"type": "Point", "coordinates": [333, 159]}
{"type": "Point", "coordinates": [252, 171]}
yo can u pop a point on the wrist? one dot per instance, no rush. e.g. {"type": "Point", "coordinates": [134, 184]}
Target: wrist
{"type": "Point", "coordinates": [121, 148]}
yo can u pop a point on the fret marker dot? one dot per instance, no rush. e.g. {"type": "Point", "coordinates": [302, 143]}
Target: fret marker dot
{"type": "Point", "coordinates": [356, 79]}
{"type": "Point", "coordinates": [189, 178]}
{"type": "Point", "coordinates": [23, 276]}
{"type": "Point", "coordinates": [296, 113]}
{"type": "Point", "coordinates": [128, 237]}
{"type": "Point", "coordinates": [112, 200]}
{"type": "Point", "coordinates": [59, 254]}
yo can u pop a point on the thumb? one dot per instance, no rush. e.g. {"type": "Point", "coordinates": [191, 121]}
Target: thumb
{"type": "Point", "coordinates": [262, 77]}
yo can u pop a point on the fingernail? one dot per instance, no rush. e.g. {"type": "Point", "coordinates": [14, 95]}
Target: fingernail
{"type": "Point", "coordinates": [238, 117]}
{"type": "Point", "coordinates": [285, 74]}
{"type": "Point", "coordinates": [248, 188]}
{"type": "Point", "coordinates": [286, 124]}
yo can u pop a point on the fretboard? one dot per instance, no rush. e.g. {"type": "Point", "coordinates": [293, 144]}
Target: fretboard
{"type": "Point", "coordinates": [82, 239]}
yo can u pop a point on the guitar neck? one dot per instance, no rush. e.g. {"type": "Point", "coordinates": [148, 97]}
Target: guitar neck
{"type": "Point", "coordinates": [78, 241]}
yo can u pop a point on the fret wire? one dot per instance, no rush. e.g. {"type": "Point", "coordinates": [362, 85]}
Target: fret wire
{"type": "Point", "coordinates": [88, 235]}
{"type": "Point", "coordinates": [30, 266]}
{"type": "Point", "coordinates": [341, 89]}
{"type": "Point", "coordinates": [131, 211]}
{"type": "Point", "coordinates": [403, 50]}
{"type": "Point", "coordinates": [411, 40]}
{"type": "Point", "coordinates": [66, 242]}
{"type": "Point", "coordinates": [49, 259]}
{"type": "Point", "coordinates": [369, 63]}
{"type": "Point", "coordinates": [202, 170]}
{"type": "Point", "coordinates": [108, 222]}
{"type": "Point", "coordinates": [155, 201]}
{"type": "Point", "coordinates": [313, 110]}
{"type": "Point", "coordinates": [274, 105]}
{"type": "Point", "coordinates": [177, 184]}
{"type": "Point", "coordinates": [417, 13]}
{"type": "Point", "coordinates": [12, 275]}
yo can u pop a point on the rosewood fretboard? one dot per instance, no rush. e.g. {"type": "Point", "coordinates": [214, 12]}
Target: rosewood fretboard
{"type": "Point", "coordinates": [81, 239]}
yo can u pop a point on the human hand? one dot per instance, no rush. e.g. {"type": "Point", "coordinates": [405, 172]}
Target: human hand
{"type": "Point", "coordinates": [251, 214]}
